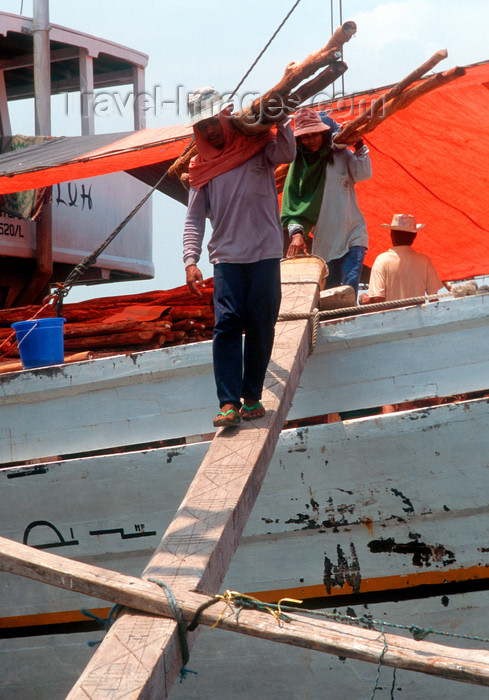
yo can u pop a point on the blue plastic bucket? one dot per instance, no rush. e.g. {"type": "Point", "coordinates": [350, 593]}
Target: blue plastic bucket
{"type": "Point", "coordinates": [40, 342]}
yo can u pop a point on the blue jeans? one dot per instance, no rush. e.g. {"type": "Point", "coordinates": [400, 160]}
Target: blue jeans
{"type": "Point", "coordinates": [246, 299]}
{"type": "Point", "coordinates": [346, 270]}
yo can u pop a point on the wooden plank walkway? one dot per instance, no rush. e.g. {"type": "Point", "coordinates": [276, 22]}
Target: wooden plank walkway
{"type": "Point", "coordinates": [140, 657]}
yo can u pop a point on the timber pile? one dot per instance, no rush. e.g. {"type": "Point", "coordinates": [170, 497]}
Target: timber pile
{"type": "Point", "coordinates": [398, 97]}
{"type": "Point", "coordinates": [287, 95]}
{"type": "Point", "coordinates": [123, 323]}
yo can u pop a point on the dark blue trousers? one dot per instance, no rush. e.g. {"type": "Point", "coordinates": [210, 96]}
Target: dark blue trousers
{"type": "Point", "coordinates": [346, 270]}
{"type": "Point", "coordinates": [246, 300]}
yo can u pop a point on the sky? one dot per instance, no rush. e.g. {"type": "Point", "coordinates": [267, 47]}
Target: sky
{"type": "Point", "coordinates": [192, 43]}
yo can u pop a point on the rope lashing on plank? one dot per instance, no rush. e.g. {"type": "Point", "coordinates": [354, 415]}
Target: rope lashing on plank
{"type": "Point", "coordinates": [194, 623]}
{"type": "Point", "coordinates": [107, 623]}
{"type": "Point", "coordinates": [241, 601]}
{"type": "Point", "coordinates": [184, 671]}
{"type": "Point", "coordinates": [312, 317]}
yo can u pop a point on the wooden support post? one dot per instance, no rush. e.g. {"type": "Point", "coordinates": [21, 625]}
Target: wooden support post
{"type": "Point", "coordinates": [86, 93]}
{"type": "Point", "coordinates": [468, 665]}
{"type": "Point", "coordinates": [5, 128]}
{"type": "Point", "coordinates": [139, 98]}
{"type": "Point", "coordinates": [197, 548]}
{"type": "Point", "coordinates": [42, 67]}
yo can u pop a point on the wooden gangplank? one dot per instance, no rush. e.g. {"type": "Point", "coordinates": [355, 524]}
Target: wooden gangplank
{"type": "Point", "coordinates": [140, 656]}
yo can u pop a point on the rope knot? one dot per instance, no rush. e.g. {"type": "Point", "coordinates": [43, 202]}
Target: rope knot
{"type": "Point", "coordinates": [420, 633]}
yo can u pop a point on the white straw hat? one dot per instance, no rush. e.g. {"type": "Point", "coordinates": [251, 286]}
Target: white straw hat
{"type": "Point", "coordinates": [404, 222]}
{"type": "Point", "coordinates": [204, 103]}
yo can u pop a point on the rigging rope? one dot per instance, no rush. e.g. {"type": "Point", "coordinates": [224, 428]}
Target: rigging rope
{"type": "Point", "coordinates": [381, 306]}
{"type": "Point", "coordinates": [63, 289]}
{"type": "Point", "coordinates": [264, 49]}
{"type": "Point", "coordinates": [184, 671]}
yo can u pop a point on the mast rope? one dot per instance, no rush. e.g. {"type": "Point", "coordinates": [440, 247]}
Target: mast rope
{"type": "Point", "coordinates": [264, 49]}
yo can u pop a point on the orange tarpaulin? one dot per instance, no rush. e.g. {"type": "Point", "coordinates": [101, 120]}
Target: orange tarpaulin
{"type": "Point", "coordinates": [430, 159]}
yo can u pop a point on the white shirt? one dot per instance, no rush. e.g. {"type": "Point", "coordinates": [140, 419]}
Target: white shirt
{"type": "Point", "coordinates": [402, 273]}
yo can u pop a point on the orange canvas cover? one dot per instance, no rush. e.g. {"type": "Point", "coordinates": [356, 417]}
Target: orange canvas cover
{"type": "Point", "coordinates": [432, 160]}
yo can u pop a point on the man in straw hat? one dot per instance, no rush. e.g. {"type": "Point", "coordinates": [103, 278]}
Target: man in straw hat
{"type": "Point", "coordinates": [319, 194]}
{"type": "Point", "coordinates": [232, 182]}
{"type": "Point", "coordinates": [401, 272]}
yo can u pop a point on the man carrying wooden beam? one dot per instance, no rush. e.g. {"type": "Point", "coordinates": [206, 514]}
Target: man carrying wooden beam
{"type": "Point", "coordinates": [319, 192]}
{"type": "Point", "coordinates": [232, 181]}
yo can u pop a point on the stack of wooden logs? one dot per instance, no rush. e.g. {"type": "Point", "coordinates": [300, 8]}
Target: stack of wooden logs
{"type": "Point", "coordinates": [398, 97]}
{"type": "Point", "coordinates": [123, 323]}
{"type": "Point", "coordinates": [287, 95]}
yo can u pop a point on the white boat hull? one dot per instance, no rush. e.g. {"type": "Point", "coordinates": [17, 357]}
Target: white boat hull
{"type": "Point", "coordinates": [367, 507]}
{"type": "Point", "coordinates": [360, 362]}
{"type": "Point", "coordinates": [414, 477]}
{"type": "Point", "coordinates": [399, 495]}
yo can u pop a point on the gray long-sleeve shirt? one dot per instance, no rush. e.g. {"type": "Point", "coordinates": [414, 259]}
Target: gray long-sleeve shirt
{"type": "Point", "coordinates": [242, 206]}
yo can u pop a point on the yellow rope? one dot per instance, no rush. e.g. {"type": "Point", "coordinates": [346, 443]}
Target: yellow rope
{"type": "Point", "coordinates": [234, 598]}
